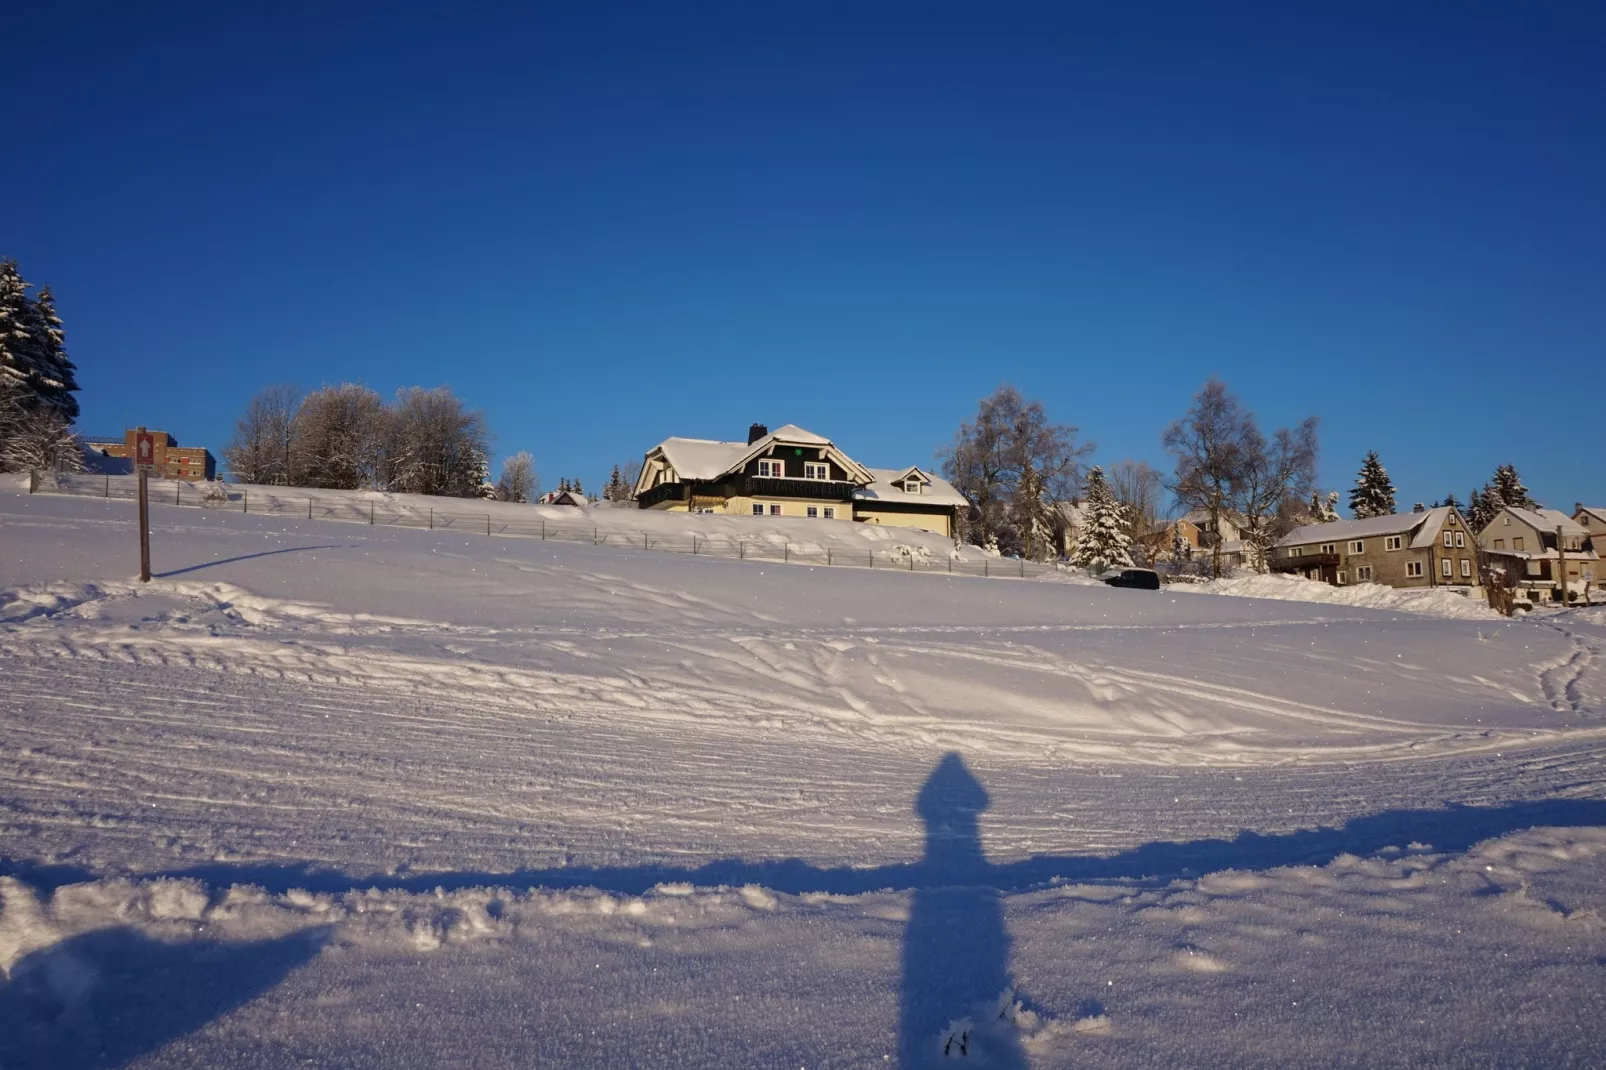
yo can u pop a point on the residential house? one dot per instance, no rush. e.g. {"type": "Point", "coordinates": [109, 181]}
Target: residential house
{"type": "Point", "coordinates": [1534, 541]}
{"type": "Point", "coordinates": [563, 497]}
{"type": "Point", "coordinates": [791, 472]}
{"type": "Point", "coordinates": [1429, 548]}
{"type": "Point", "coordinates": [1592, 518]}
{"type": "Point", "coordinates": [195, 464]}
{"type": "Point", "coordinates": [1225, 531]}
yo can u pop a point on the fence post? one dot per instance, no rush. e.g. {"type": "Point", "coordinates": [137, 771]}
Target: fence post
{"type": "Point", "coordinates": [177, 486]}
{"type": "Point", "coordinates": [593, 536]}
{"type": "Point", "coordinates": [872, 558]}
{"type": "Point", "coordinates": [694, 545]}
{"type": "Point", "coordinates": [786, 551]}
{"type": "Point", "coordinates": [370, 514]}
{"type": "Point", "coordinates": [543, 531]}
{"type": "Point", "coordinates": [309, 508]}
{"type": "Point", "coordinates": [108, 486]}
{"type": "Point", "coordinates": [984, 571]}
{"type": "Point", "coordinates": [487, 524]}
{"type": "Point", "coordinates": [950, 564]}
{"type": "Point", "coordinates": [432, 518]}
{"type": "Point", "coordinates": [1022, 568]}
{"type": "Point", "coordinates": [245, 499]}
{"type": "Point", "coordinates": [741, 551]}
{"type": "Point", "coordinates": [827, 555]}
{"type": "Point", "coordinates": [911, 562]}
{"type": "Point", "coordinates": [644, 545]}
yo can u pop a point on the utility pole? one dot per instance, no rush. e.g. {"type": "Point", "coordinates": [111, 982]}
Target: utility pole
{"type": "Point", "coordinates": [1561, 567]}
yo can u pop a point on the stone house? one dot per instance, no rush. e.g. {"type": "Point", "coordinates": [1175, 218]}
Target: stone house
{"type": "Point", "coordinates": [1534, 542]}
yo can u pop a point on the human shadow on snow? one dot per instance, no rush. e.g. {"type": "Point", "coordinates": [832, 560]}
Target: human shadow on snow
{"type": "Point", "coordinates": [105, 998]}
{"type": "Point", "coordinates": [1449, 830]}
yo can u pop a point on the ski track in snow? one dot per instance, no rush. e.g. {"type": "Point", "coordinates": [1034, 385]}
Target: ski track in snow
{"type": "Point", "coordinates": [398, 799]}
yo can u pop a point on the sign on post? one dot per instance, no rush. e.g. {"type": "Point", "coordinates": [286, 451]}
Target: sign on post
{"type": "Point", "coordinates": [144, 451]}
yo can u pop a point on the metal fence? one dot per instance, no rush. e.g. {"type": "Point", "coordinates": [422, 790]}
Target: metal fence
{"type": "Point", "coordinates": [457, 515]}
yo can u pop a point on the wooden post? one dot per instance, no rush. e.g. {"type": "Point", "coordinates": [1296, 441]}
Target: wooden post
{"type": "Point", "coordinates": [741, 551]}
{"type": "Point", "coordinates": [245, 498]}
{"type": "Point", "coordinates": [984, 571]}
{"type": "Point", "coordinates": [911, 562]}
{"type": "Point", "coordinates": [644, 545]}
{"type": "Point", "coordinates": [309, 508]}
{"type": "Point", "coordinates": [370, 514]}
{"type": "Point", "coordinates": [543, 531]}
{"type": "Point", "coordinates": [487, 524]}
{"type": "Point", "coordinates": [827, 555]}
{"type": "Point", "coordinates": [786, 551]}
{"type": "Point", "coordinates": [694, 545]}
{"type": "Point", "coordinates": [872, 558]}
{"type": "Point", "coordinates": [144, 528]}
{"type": "Point", "coordinates": [432, 518]}
{"type": "Point", "coordinates": [177, 485]}
{"type": "Point", "coordinates": [108, 486]}
{"type": "Point", "coordinates": [1022, 568]}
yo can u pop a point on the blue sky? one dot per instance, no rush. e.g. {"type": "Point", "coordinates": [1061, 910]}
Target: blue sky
{"type": "Point", "coordinates": [609, 223]}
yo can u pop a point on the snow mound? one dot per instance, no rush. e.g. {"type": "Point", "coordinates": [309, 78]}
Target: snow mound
{"type": "Point", "coordinates": [1430, 601]}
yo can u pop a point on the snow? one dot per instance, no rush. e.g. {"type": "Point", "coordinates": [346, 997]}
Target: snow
{"type": "Point", "coordinates": [338, 795]}
{"type": "Point", "coordinates": [885, 488]}
{"type": "Point", "coordinates": [1370, 527]}
{"type": "Point", "coordinates": [1547, 520]}
{"type": "Point", "coordinates": [1430, 601]}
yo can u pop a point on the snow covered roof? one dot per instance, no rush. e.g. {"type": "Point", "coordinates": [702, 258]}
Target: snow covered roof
{"type": "Point", "coordinates": [1547, 520]}
{"type": "Point", "coordinates": [886, 488]}
{"type": "Point", "coordinates": [1429, 531]}
{"type": "Point", "coordinates": [1596, 511]}
{"type": "Point", "coordinates": [702, 458]}
{"type": "Point", "coordinates": [1371, 527]}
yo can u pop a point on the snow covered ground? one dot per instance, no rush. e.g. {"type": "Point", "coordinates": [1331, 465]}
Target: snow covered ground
{"type": "Point", "coordinates": [1432, 601]}
{"type": "Point", "coordinates": [323, 794]}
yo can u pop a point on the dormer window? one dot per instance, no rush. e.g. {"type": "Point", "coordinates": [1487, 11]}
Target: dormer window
{"type": "Point", "coordinates": [913, 486]}
{"type": "Point", "coordinates": [816, 470]}
{"type": "Point", "coordinates": [772, 469]}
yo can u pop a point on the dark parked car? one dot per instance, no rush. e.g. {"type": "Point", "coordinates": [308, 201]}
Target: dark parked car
{"type": "Point", "coordinates": [1145, 579]}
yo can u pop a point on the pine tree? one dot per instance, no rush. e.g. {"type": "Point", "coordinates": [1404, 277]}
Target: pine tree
{"type": "Point", "coordinates": [563, 485]}
{"type": "Point", "coordinates": [1102, 541]}
{"type": "Point", "coordinates": [1373, 494]}
{"type": "Point", "coordinates": [1322, 509]}
{"type": "Point", "coordinates": [16, 352]}
{"type": "Point", "coordinates": [1181, 548]}
{"type": "Point", "coordinates": [1450, 501]}
{"type": "Point", "coordinates": [1480, 510]}
{"type": "Point", "coordinates": [579, 490]}
{"type": "Point", "coordinates": [1507, 488]}
{"type": "Point", "coordinates": [53, 377]}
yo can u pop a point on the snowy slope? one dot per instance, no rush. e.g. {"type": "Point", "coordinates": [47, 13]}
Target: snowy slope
{"type": "Point", "coordinates": [1431, 601]}
{"type": "Point", "coordinates": [360, 796]}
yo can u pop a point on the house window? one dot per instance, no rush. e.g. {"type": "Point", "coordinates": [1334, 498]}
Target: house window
{"type": "Point", "coordinates": [1444, 568]}
{"type": "Point", "coordinates": [1393, 542]}
{"type": "Point", "coordinates": [814, 470]}
{"type": "Point", "coordinates": [1297, 551]}
{"type": "Point", "coordinates": [1363, 574]}
{"type": "Point", "coordinates": [1447, 538]}
{"type": "Point", "coordinates": [1500, 544]}
{"type": "Point", "coordinates": [830, 512]}
{"type": "Point", "coordinates": [772, 469]}
{"type": "Point", "coordinates": [1329, 547]}
{"type": "Point", "coordinates": [814, 512]}
{"type": "Point", "coordinates": [913, 486]}
{"type": "Point", "coordinates": [1413, 568]}
{"type": "Point", "coordinates": [1341, 579]}
{"type": "Point", "coordinates": [1358, 547]}
{"type": "Point", "coordinates": [758, 508]}
{"type": "Point", "coordinates": [1466, 569]}
{"type": "Point", "coordinates": [775, 508]}
{"type": "Point", "coordinates": [1516, 544]}
{"type": "Point", "coordinates": [1506, 521]}
{"type": "Point", "coordinates": [1460, 540]}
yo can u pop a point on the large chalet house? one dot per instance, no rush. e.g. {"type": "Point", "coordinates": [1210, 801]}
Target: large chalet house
{"type": "Point", "coordinates": [1534, 542]}
{"type": "Point", "coordinates": [791, 472]}
{"type": "Point", "coordinates": [1431, 548]}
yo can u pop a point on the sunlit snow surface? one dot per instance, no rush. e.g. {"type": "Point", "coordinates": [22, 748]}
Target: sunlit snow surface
{"type": "Point", "coordinates": [330, 795]}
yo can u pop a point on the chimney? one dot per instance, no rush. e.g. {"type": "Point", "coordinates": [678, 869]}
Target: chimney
{"type": "Point", "coordinates": [1578, 507]}
{"type": "Point", "coordinates": [1419, 508]}
{"type": "Point", "coordinates": [756, 432]}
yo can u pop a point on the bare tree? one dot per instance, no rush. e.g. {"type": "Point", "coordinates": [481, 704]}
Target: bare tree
{"type": "Point", "coordinates": [337, 438]}
{"type": "Point", "coordinates": [435, 445]}
{"type": "Point", "coordinates": [1226, 468]}
{"type": "Point", "coordinates": [1138, 487]}
{"type": "Point", "coordinates": [260, 451]}
{"type": "Point", "coordinates": [518, 483]}
{"type": "Point", "coordinates": [1016, 468]}
{"type": "Point", "coordinates": [1208, 446]}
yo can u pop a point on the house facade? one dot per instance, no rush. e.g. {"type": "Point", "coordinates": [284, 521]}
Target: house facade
{"type": "Point", "coordinates": [1592, 518]}
{"type": "Point", "coordinates": [1548, 550]}
{"type": "Point", "coordinates": [790, 472]}
{"type": "Point", "coordinates": [1432, 548]}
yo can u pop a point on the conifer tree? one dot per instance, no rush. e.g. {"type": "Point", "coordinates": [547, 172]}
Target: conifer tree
{"type": "Point", "coordinates": [1450, 501]}
{"type": "Point", "coordinates": [1373, 494]}
{"type": "Point", "coordinates": [1480, 510]}
{"type": "Point", "coordinates": [1102, 541]}
{"type": "Point", "coordinates": [53, 377]}
{"type": "Point", "coordinates": [16, 354]}
{"type": "Point", "coordinates": [1507, 489]}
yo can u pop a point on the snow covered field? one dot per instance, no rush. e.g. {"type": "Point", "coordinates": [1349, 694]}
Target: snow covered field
{"type": "Point", "coordinates": [324, 794]}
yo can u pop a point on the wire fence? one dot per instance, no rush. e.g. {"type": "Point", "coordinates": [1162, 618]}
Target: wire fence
{"type": "Point", "coordinates": [457, 516]}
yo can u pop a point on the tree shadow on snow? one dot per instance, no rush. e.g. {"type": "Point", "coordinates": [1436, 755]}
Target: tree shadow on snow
{"type": "Point", "coordinates": [247, 557]}
{"type": "Point", "coordinates": [104, 998]}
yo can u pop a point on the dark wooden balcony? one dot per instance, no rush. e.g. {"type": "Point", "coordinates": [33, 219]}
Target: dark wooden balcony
{"type": "Point", "coordinates": [1300, 562]}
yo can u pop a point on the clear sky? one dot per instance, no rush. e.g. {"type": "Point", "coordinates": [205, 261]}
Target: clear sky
{"type": "Point", "coordinates": [605, 224]}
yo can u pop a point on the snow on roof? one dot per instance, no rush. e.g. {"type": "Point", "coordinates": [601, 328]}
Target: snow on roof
{"type": "Point", "coordinates": [886, 488]}
{"type": "Point", "coordinates": [1372, 526]}
{"type": "Point", "coordinates": [1429, 531]}
{"type": "Point", "coordinates": [1547, 520]}
{"type": "Point", "coordinates": [702, 458]}
{"type": "Point", "coordinates": [1596, 511]}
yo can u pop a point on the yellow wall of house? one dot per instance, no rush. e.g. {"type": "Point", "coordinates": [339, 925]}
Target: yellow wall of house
{"type": "Point", "coordinates": [793, 507]}
{"type": "Point", "coordinates": [937, 522]}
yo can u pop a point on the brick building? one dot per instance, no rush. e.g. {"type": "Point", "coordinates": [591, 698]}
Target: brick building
{"type": "Point", "coordinates": [191, 463]}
